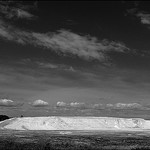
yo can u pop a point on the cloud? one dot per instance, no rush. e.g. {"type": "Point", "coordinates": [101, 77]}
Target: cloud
{"type": "Point", "coordinates": [64, 42]}
{"type": "Point", "coordinates": [39, 103]}
{"type": "Point", "coordinates": [76, 104]}
{"type": "Point", "coordinates": [69, 43]}
{"type": "Point", "coordinates": [101, 106]}
{"type": "Point", "coordinates": [144, 17]}
{"type": "Point", "coordinates": [98, 106]}
{"type": "Point", "coordinates": [9, 103]}
{"type": "Point", "coordinates": [71, 105]}
{"type": "Point", "coordinates": [70, 69]}
{"type": "Point", "coordinates": [124, 106]}
{"type": "Point", "coordinates": [47, 65]}
{"type": "Point", "coordinates": [129, 105]}
{"type": "Point", "coordinates": [15, 11]}
{"type": "Point", "coordinates": [60, 104]}
{"type": "Point", "coordinates": [23, 14]}
{"type": "Point", "coordinates": [118, 106]}
{"type": "Point", "coordinates": [6, 101]}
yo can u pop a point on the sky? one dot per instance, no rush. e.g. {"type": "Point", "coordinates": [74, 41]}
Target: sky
{"type": "Point", "coordinates": [75, 58]}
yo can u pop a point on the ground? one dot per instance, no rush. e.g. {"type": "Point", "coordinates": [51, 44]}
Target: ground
{"type": "Point", "coordinates": [60, 140]}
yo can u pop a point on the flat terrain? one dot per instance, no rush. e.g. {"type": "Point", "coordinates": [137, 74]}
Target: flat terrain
{"type": "Point", "coordinates": [70, 140]}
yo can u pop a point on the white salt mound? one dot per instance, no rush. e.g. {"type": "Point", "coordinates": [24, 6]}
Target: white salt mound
{"type": "Point", "coordinates": [75, 123]}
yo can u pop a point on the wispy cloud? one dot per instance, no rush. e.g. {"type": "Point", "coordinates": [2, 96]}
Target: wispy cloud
{"type": "Point", "coordinates": [86, 47]}
{"type": "Point", "coordinates": [47, 65]}
{"type": "Point", "coordinates": [39, 103]}
{"type": "Point", "coordinates": [15, 11]}
{"type": "Point", "coordinates": [144, 17]}
{"type": "Point", "coordinates": [64, 42]}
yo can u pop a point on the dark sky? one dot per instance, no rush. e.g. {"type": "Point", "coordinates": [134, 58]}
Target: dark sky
{"type": "Point", "coordinates": [79, 58]}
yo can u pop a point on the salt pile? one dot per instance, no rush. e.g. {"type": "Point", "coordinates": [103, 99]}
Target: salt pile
{"type": "Point", "coordinates": [75, 123]}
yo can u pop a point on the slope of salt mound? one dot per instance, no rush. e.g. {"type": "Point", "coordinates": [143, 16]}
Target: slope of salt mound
{"type": "Point", "coordinates": [6, 122]}
{"type": "Point", "coordinates": [75, 123]}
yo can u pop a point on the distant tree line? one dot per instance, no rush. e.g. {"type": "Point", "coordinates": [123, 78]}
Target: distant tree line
{"type": "Point", "coordinates": [3, 117]}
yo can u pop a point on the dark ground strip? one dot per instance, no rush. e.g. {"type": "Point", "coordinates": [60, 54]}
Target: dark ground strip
{"type": "Point", "coordinates": [49, 140]}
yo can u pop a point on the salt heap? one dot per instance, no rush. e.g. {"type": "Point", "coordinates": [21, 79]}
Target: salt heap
{"type": "Point", "coordinates": [75, 123]}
